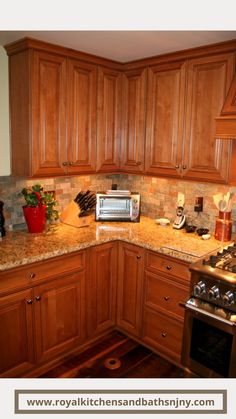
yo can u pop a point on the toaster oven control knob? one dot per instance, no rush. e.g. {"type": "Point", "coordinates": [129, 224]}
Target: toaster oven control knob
{"type": "Point", "coordinates": [214, 293]}
{"type": "Point", "coordinates": [228, 298]}
{"type": "Point", "coordinates": [199, 288]}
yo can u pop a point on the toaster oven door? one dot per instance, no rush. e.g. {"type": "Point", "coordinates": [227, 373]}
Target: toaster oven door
{"type": "Point", "coordinates": [114, 208]}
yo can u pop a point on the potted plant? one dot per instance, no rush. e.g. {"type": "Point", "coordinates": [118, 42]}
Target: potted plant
{"type": "Point", "coordinates": [39, 208]}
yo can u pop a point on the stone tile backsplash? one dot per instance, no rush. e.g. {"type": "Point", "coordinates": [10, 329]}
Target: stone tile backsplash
{"type": "Point", "coordinates": [158, 195]}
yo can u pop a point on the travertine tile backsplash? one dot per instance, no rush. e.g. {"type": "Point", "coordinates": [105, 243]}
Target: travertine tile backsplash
{"type": "Point", "coordinates": [158, 195]}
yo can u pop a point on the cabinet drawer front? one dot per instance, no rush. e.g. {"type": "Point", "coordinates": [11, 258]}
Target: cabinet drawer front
{"type": "Point", "coordinates": [170, 266]}
{"type": "Point", "coordinates": [163, 333]}
{"type": "Point", "coordinates": [163, 294]}
{"type": "Point", "coordinates": [29, 274]}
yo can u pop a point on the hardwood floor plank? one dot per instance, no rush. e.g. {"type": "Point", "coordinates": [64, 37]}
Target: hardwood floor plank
{"type": "Point", "coordinates": [136, 361]}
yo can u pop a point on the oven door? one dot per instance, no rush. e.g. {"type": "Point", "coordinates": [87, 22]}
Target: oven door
{"type": "Point", "coordinates": [209, 340]}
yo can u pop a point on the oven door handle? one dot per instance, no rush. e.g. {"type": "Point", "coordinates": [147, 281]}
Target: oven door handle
{"type": "Point", "coordinates": [207, 314]}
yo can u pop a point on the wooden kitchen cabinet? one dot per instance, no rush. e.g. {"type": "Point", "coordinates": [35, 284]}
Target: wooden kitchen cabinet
{"type": "Point", "coordinates": [53, 102]}
{"type": "Point", "coordinates": [129, 288]}
{"type": "Point", "coordinates": [101, 288]}
{"type": "Point", "coordinates": [59, 315]}
{"type": "Point", "coordinates": [16, 336]}
{"type": "Point", "coordinates": [183, 101]}
{"type": "Point", "coordinates": [81, 117]}
{"type": "Point", "coordinates": [109, 120]}
{"type": "Point", "coordinates": [38, 113]}
{"type": "Point", "coordinates": [164, 126]}
{"type": "Point", "coordinates": [45, 316]}
{"type": "Point", "coordinates": [133, 120]}
{"type": "Point", "coordinates": [166, 285]}
{"type": "Point", "coordinates": [208, 81]}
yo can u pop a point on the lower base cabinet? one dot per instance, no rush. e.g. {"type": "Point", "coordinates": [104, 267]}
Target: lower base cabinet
{"type": "Point", "coordinates": [59, 315]}
{"type": "Point", "coordinates": [163, 334]}
{"type": "Point", "coordinates": [101, 288]}
{"type": "Point", "coordinates": [129, 288]}
{"type": "Point", "coordinates": [43, 321]}
{"type": "Point", "coordinates": [16, 334]}
{"type": "Point", "coordinates": [62, 304]}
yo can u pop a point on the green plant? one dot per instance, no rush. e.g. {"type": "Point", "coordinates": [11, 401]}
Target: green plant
{"type": "Point", "coordinates": [35, 196]}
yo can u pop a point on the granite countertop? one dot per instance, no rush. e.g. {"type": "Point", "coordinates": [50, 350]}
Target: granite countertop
{"type": "Point", "coordinates": [20, 247]}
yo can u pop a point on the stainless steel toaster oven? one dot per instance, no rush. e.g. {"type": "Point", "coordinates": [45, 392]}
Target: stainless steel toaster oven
{"type": "Point", "coordinates": [118, 206]}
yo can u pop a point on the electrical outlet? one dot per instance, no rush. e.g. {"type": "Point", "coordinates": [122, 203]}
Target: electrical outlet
{"type": "Point", "coordinates": [198, 207]}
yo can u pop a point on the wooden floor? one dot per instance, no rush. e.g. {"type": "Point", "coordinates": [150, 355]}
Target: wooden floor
{"type": "Point", "coordinates": [115, 356]}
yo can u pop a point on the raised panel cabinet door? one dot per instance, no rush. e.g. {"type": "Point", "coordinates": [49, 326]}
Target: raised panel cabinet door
{"type": "Point", "coordinates": [133, 120]}
{"type": "Point", "coordinates": [208, 81]}
{"type": "Point", "coordinates": [81, 117]}
{"type": "Point", "coordinates": [16, 334]}
{"type": "Point", "coordinates": [59, 315]}
{"type": "Point", "coordinates": [48, 90]}
{"type": "Point", "coordinates": [109, 120]}
{"type": "Point", "coordinates": [101, 288]}
{"type": "Point", "coordinates": [164, 127]}
{"type": "Point", "coordinates": [129, 288]}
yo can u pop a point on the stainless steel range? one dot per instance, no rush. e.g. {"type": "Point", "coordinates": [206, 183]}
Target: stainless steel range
{"type": "Point", "coordinates": [209, 340]}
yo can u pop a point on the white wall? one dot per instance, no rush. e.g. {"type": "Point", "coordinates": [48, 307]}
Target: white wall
{"type": "Point", "coordinates": [4, 115]}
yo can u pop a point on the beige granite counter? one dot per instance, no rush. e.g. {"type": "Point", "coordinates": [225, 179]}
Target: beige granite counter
{"type": "Point", "coordinates": [21, 247]}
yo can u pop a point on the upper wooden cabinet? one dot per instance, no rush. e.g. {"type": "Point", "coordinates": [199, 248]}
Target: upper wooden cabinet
{"type": "Point", "coordinates": [208, 81]}
{"type": "Point", "coordinates": [74, 113]}
{"type": "Point", "coordinates": [133, 120]}
{"type": "Point", "coordinates": [109, 120]}
{"type": "Point", "coordinates": [38, 113]}
{"type": "Point", "coordinates": [81, 117]}
{"type": "Point", "coordinates": [183, 100]}
{"type": "Point", "coordinates": [53, 114]}
{"type": "Point", "coordinates": [165, 108]}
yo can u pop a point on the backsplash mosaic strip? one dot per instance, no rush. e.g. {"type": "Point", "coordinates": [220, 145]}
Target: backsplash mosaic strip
{"type": "Point", "coordinates": [158, 195]}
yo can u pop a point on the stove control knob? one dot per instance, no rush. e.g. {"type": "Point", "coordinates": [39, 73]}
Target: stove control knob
{"type": "Point", "coordinates": [199, 288]}
{"type": "Point", "coordinates": [228, 298]}
{"type": "Point", "coordinates": [214, 293]}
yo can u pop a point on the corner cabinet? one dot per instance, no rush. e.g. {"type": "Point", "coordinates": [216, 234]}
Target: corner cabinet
{"type": "Point", "coordinates": [53, 114]}
{"type": "Point", "coordinates": [101, 288]}
{"type": "Point", "coordinates": [133, 120]}
{"type": "Point", "coordinates": [109, 120]}
{"type": "Point", "coordinates": [129, 288]}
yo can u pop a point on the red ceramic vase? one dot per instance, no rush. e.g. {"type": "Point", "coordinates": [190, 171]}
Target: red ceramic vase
{"type": "Point", "coordinates": [35, 218]}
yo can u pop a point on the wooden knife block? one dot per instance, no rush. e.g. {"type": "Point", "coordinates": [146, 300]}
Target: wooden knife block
{"type": "Point", "coordinates": [70, 216]}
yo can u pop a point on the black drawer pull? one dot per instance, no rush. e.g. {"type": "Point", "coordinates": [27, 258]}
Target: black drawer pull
{"type": "Point", "coordinates": [38, 298]}
{"type": "Point", "coordinates": [32, 275]}
{"type": "Point", "coordinates": [138, 257]}
{"type": "Point", "coordinates": [29, 301]}
{"type": "Point", "coordinates": [166, 298]}
{"type": "Point", "coordinates": [164, 334]}
{"type": "Point", "coordinates": [168, 267]}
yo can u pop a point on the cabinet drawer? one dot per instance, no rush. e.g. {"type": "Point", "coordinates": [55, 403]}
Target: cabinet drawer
{"type": "Point", "coordinates": [164, 294]}
{"type": "Point", "coordinates": [170, 266]}
{"type": "Point", "coordinates": [29, 274]}
{"type": "Point", "coordinates": [163, 333]}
